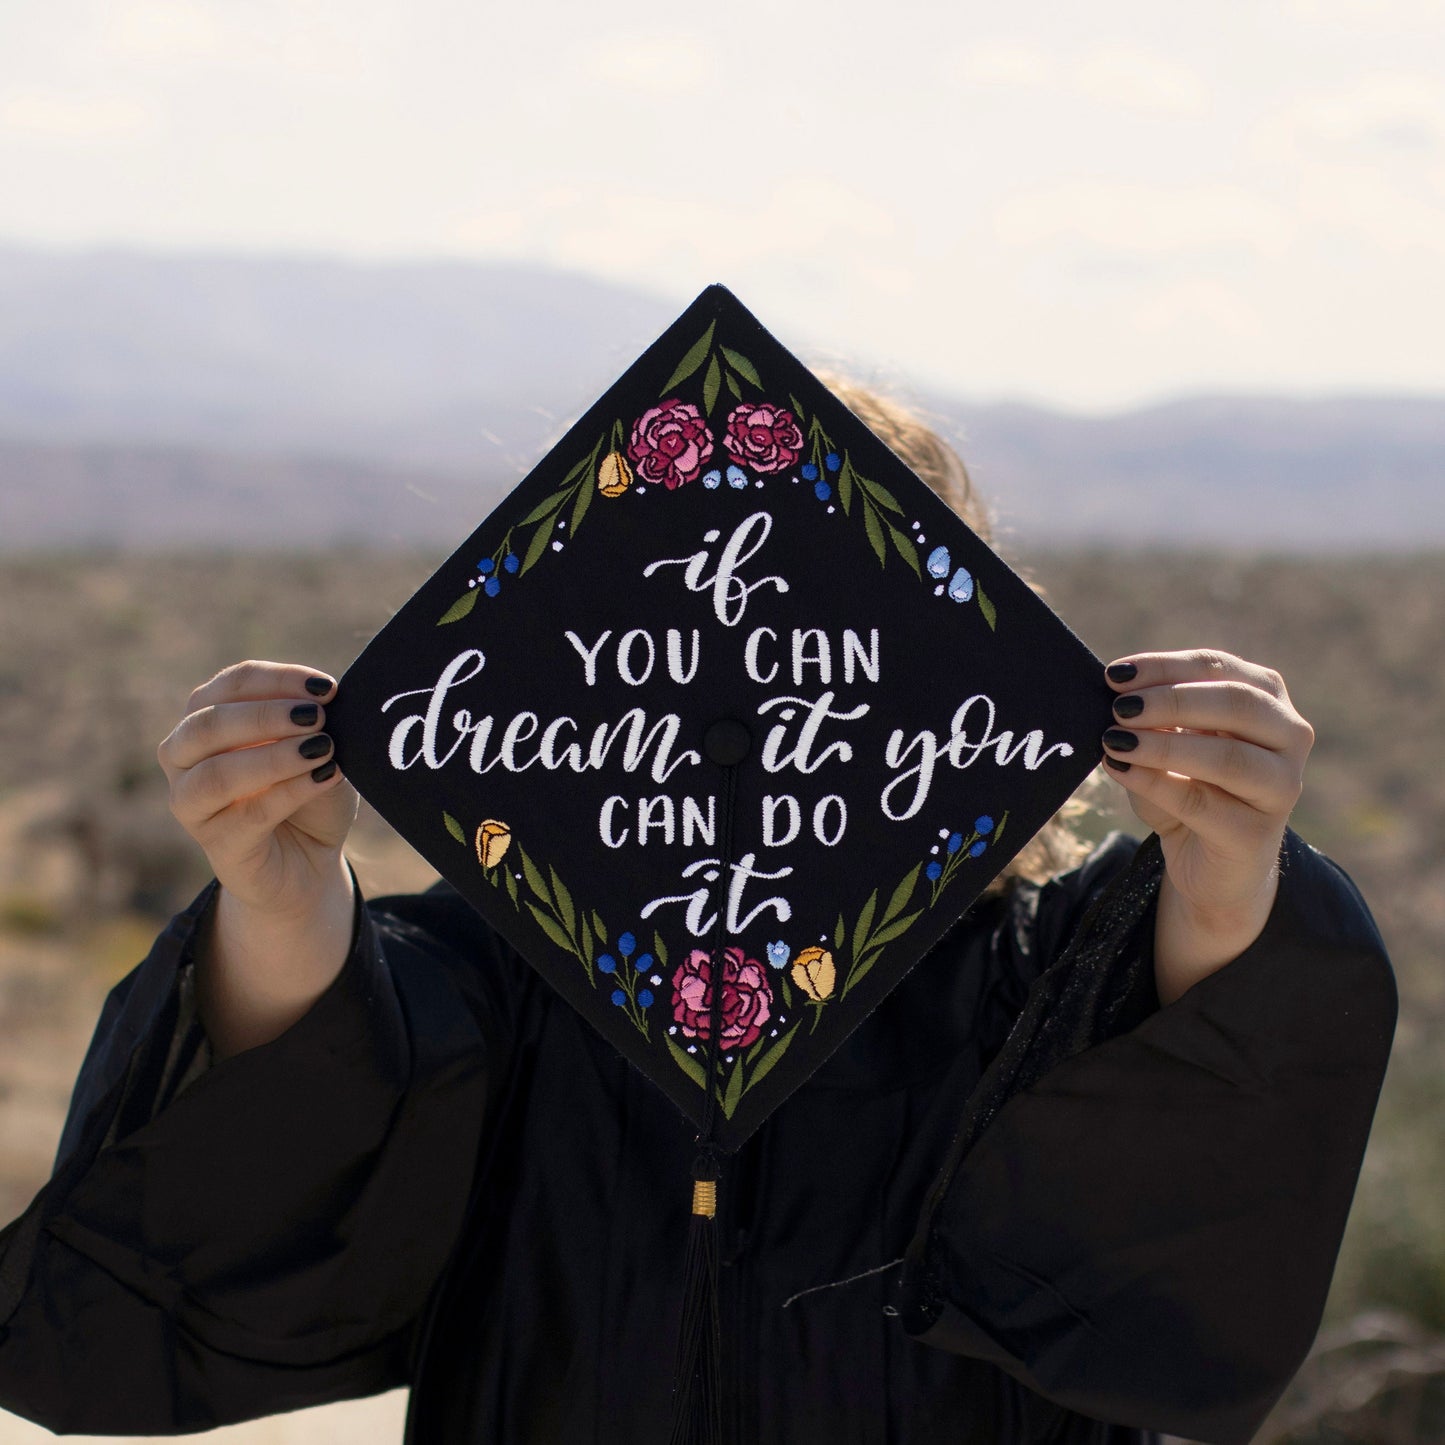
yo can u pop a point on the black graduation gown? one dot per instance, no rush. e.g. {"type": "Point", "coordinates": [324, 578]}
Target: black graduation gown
{"type": "Point", "coordinates": [1111, 1212]}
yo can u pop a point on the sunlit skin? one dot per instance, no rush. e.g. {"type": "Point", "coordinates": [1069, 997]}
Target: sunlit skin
{"type": "Point", "coordinates": [1216, 768]}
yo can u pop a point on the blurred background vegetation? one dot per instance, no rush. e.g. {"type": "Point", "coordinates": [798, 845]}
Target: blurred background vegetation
{"type": "Point", "coordinates": [99, 652]}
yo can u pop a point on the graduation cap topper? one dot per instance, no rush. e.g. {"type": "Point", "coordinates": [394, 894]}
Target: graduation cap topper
{"type": "Point", "coordinates": [721, 691]}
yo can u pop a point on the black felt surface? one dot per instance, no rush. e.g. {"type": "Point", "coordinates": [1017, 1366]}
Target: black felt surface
{"type": "Point", "coordinates": [569, 787]}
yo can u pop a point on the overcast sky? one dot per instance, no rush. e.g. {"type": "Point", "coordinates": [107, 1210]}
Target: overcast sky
{"type": "Point", "coordinates": [1082, 204]}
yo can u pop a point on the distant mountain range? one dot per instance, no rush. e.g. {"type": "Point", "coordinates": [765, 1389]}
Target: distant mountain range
{"type": "Point", "coordinates": [152, 399]}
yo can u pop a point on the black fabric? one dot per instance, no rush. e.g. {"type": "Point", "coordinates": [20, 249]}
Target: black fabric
{"type": "Point", "coordinates": [442, 1176]}
{"type": "Point", "coordinates": [721, 692]}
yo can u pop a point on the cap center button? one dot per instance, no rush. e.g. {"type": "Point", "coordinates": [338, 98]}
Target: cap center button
{"type": "Point", "coordinates": [727, 742]}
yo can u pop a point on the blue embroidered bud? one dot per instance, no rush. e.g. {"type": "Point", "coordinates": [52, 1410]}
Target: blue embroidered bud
{"type": "Point", "coordinates": [712, 480]}
{"type": "Point", "coordinates": [810, 472]}
{"type": "Point", "coordinates": [618, 997]}
{"type": "Point", "coordinates": [977, 849]}
{"type": "Point", "coordinates": [983, 824]}
{"type": "Point", "coordinates": [607, 963]}
{"type": "Point", "coordinates": [822, 491]}
{"type": "Point", "coordinates": [511, 562]}
{"type": "Point", "coordinates": [832, 461]}
{"type": "Point", "coordinates": [938, 562]}
{"type": "Point", "coordinates": [644, 997]}
{"type": "Point", "coordinates": [737, 477]}
{"type": "Point", "coordinates": [955, 842]}
{"type": "Point", "coordinates": [626, 945]}
{"type": "Point", "coordinates": [934, 871]}
{"type": "Point", "coordinates": [485, 566]}
{"type": "Point", "coordinates": [492, 586]}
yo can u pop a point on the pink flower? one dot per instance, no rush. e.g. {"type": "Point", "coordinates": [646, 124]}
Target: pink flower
{"type": "Point", "coordinates": [747, 1000]}
{"type": "Point", "coordinates": [670, 444]}
{"type": "Point", "coordinates": [763, 437]}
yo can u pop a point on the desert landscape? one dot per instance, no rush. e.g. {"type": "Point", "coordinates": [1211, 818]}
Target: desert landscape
{"type": "Point", "coordinates": [100, 651]}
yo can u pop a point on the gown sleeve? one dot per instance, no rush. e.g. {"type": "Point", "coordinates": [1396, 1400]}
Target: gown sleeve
{"type": "Point", "coordinates": [1140, 1215]}
{"type": "Point", "coordinates": [218, 1243]}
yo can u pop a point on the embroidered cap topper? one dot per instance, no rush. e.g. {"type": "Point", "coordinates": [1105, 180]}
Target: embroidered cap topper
{"type": "Point", "coordinates": [721, 694]}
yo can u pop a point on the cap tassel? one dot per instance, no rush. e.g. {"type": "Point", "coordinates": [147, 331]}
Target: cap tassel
{"type": "Point", "coordinates": [697, 1374]}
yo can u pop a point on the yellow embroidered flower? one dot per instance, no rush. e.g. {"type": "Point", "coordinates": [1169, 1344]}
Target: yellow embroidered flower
{"type": "Point", "coordinates": [815, 973]}
{"type": "Point", "coordinates": [493, 840]}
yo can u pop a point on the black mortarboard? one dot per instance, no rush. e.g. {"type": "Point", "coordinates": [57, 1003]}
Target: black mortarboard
{"type": "Point", "coordinates": [721, 689]}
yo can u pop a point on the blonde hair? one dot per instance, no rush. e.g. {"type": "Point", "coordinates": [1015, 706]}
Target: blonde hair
{"type": "Point", "coordinates": [1056, 846]}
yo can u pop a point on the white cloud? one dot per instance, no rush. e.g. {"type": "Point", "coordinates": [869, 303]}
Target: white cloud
{"type": "Point", "coordinates": [654, 65]}
{"type": "Point", "coordinates": [1381, 115]}
{"type": "Point", "coordinates": [1145, 221]}
{"type": "Point", "coordinates": [81, 118]}
{"type": "Point", "coordinates": [1114, 76]}
{"type": "Point", "coordinates": [1139, 80]}
{"type": "Point", "coordinates": [1197, 307]}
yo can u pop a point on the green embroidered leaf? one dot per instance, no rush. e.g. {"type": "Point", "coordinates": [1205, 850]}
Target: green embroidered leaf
{"type": "Point", "coordinates": [686, 1062]}
{"type": "Point", "coordinates": [618, 436]}
{"type": "Point", "coordinates": [743, 366]}
{"type": "Point", "coordinates": [839, 933]}
{"type": "Point", "coordinates": [845, 488]}
{"type": "Point", "coordinates": [880, 494]}
{"type": "Point", "coordinates": [986, 607]}
{"type": "Point", "coordinates": [597, 926]}
{"type": "Point", "coordinates": [733, 386]}
{"type": "Point", "coordinates": [865, 922]}
{"type": "Point", "coordinates": [787, 990]}
{"type": "Point", "coordinates": [454, 828]}
{"type": "Point", "coordinates": [589, 952]}
{"type": "Point", "coordinates": [735, 1089]}
{"type": "Point", "coordinates": [756, 1049]}
{"type": "Point", "coordinates": [875, 534]}
{"type": "Point", "coordinates": [564, 901]}
{"type": "Point", "coordinates": [901, 895]}
{"type": "Point", "coordinates": [511, 884]}
{"type": "Point", "coordinates": [711, 385]}
{"type": "Point", "coordinates": [545, 508]}
{"type": "Point", "coordinates": [535, 881]}
{"type": "Point", "coordinates": [460, 607]}
{"type": "Point", "coordinates": [998, 832]}
{"type": "Point", "coordinates": [896, 929]}
{"type": "Point", "coordinates": [659, 949]}
{"type": "Point", "coordinates": [769, 1059]}
{"type": "Point", "coordinates": [696, 355]}
{"type": "Point", "coordinates": [551, 928]}
{"type": "Point", "coordinates": [798, 412]}
{"type": "Point", "coordinates": [584, 500]}
{"type": "Point", "coordinates": [538, 544]}
{"type": "Point", "coordinates": [903, 545]}
{"type": "Point", "coordinates": [587, 464]}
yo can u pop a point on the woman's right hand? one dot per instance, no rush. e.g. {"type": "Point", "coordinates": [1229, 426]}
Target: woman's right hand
{"type": "Point", "coordinates": [252, 781]}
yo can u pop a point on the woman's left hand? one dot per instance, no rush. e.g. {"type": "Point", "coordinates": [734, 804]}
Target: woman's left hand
{"type": "Point", "coordinates": [1212, 752]}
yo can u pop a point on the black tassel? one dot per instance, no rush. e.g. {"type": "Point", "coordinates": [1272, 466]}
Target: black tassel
{"type": "Point", "coordinates": [697, 1373]}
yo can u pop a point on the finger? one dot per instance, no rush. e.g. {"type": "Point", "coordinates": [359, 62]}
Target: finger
{"type": "Point", "coordinates": [1209, 812]}
{"type": "Point", "coordinates": [224, 726]}
{"type": "Point", "coordinates": [1237, 708]}
{"type": "Point", "coordinates": [1265, 780]}
{"type": "Point", "coordinates": [249, 821]}
{"type": "Point", "coordinates": [200, 793]}
{"type": "Point", "coordinates": [253, 681]}
{"type": "Point", "coordinates": [1155, 669]}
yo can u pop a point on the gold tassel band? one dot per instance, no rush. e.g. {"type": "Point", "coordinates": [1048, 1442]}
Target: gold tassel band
{"type": "Point", "coordinates": [704, 1197]}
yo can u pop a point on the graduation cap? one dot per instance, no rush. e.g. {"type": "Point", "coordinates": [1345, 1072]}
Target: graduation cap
{"type": "Point", "coordinates": [722, 718]}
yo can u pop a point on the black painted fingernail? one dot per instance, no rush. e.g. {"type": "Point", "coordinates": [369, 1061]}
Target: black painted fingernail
{"type": "Point", "coordinates": [320, 775]}
{"type": "Point", "coordinates": [1118, 764]}
{"type": "Point", "coordinates": [316, 747]}
{"type": "Point", "coordinates": [1120, 739]}
{"type": "Point", "coordinates": [1121, 672]}
{"type": "Point", "coordinates": [1130, 705]}
{"type": "Point", "coordinates": [304, 714]}
{"type": "Point", "coordinates": [318, 686]}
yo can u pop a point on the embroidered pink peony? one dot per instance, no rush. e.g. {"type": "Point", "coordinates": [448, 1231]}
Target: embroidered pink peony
{"type": "Point", "coordinates": [747, 1001]}
{"type": "Point", "coordinates": [763, 437]}
{"type": "Point", "coordinates": [670, 444]}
